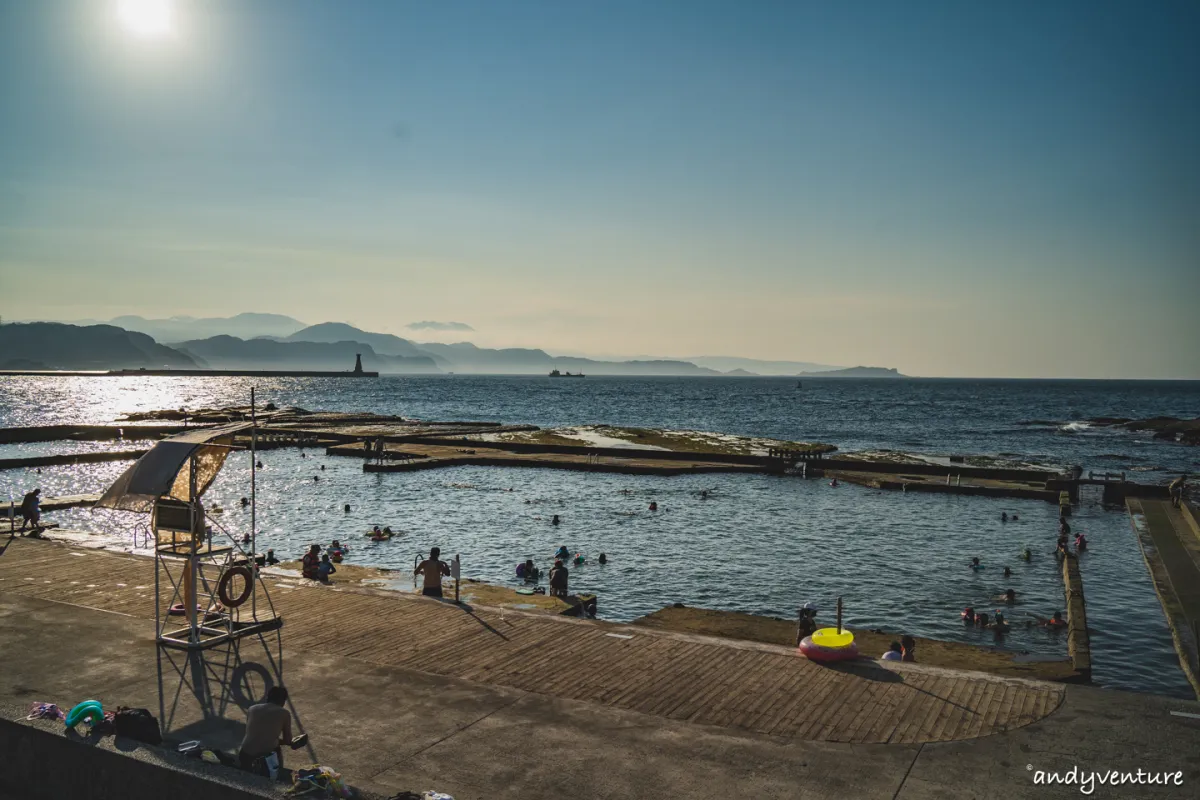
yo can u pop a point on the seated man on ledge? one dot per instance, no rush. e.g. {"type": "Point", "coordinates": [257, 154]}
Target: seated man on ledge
{"type": "Point", "coordinates": [310, 565]}
{"type": "Point", "coordinates": [268, 728]}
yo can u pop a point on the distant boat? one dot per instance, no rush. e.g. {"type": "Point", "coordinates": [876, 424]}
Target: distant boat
{"type": "Point", "coordinates": [556, 374]}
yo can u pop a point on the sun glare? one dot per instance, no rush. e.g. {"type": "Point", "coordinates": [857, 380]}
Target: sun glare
{"type": "Point", "coordinates": [149, 19]}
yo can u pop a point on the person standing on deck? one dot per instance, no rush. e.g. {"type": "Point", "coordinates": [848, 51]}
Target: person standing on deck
{"type": "Point", "coordinates": [1176, 491]}
{"type": "Point", "coordinates": [558, 579]}
{"type": "Point", "coordinates": [31, 508]}
{"type": "Point", "coordinates": [432, 568]}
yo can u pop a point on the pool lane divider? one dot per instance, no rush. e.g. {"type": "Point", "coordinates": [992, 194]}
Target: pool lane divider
{"type": "Point", "coordinates": [1079, 646]}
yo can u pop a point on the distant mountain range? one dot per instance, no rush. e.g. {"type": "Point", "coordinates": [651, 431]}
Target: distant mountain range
{"type": "Point", "coordinates": [275, 341]}
{"type": "Point", "coordinates": [53, 345]}
{"type": "Point", "coordinates": [179, 329]}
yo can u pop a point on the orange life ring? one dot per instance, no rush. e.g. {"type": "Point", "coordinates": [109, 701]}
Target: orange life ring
{"type": "Point", "coordinates": [227, 579]}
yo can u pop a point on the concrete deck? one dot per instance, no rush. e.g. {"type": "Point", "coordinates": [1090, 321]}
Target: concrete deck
{"type": "Point", "coordinates": [1172, 552]}
{"type": "Point", "coordinates": [406, 693]}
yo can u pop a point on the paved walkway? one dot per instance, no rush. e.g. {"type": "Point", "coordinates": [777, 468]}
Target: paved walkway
{"type": "Point", "coordinates": [405, 693]}
{"type": "Point", "coordinates": [1172, 552]}
{"type": "Point", "coordinates": [759, 688]}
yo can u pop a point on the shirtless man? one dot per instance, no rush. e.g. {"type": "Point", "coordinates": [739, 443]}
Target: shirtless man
{"type": "Point", "coordinates": [268, 728]}
{"type": "Point", "coordinates": [433, 569]}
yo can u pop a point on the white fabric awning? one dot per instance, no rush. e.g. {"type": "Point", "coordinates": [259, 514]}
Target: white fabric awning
{"type": "Point", "coordinates": [165, 471]}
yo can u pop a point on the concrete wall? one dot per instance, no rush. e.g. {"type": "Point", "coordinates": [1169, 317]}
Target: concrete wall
{"type": "Point", "coordinates": [1078, 643]}
{"type": "Point", "coordinates": [41, 763]}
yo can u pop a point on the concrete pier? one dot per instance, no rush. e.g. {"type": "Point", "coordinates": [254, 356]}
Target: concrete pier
{"type": "Point", "coordinates": [1078, 642]}
{"type": "Point", "coordinates": [1171, 549]}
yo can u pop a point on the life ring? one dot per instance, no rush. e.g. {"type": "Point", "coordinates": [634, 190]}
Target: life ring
{"type": "Point", "coordinates": [227, 579]}
{"type": "Point", "coordinates": [828, 645]}
{"type": "Point", "coordinates": [88, 709]}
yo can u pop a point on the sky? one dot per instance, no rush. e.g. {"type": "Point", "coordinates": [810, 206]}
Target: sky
{"type": "Point", "coordinates": [949, 188]}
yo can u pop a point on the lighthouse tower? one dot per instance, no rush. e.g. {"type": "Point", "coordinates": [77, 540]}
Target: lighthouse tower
{"type": "Point", "coordinates": [358, 364]}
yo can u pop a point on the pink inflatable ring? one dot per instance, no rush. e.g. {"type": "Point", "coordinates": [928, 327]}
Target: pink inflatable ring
{"type": "Point", "coordinates": [828, 644]}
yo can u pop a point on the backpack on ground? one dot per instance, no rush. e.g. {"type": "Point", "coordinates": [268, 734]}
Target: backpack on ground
{"type": "Point", "coordinates": [137, 723]}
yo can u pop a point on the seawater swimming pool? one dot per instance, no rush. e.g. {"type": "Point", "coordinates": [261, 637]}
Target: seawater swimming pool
{"type": "Point", "coordinates": [760, 544]}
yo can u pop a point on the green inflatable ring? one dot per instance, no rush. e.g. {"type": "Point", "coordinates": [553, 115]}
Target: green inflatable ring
{"type": "Point", "coordinates": [88, 709]}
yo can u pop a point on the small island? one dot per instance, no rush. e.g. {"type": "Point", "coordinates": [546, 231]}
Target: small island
{"type": "Point", "coordinates": [855, 372]}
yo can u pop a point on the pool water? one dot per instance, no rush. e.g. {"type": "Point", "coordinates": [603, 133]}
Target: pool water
{"type": "Point", "coordinates": [759, 544]}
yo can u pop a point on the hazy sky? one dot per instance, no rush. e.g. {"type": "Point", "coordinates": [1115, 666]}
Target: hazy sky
{"type": "Point", "coordinates": [956, 188]}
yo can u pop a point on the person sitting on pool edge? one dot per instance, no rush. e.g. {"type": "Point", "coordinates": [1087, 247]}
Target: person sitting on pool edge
{"type": "Point", "coordinates": [558, 579]}
{"type": "Point", "coordinates": [894, 653]}
{"type": "Point", "coordinates": [908, 648]}
{"type": "Point", "coordinates": [325, 569]}
{"type": "Point", "coordinates": [806, 622]}
{"type": "Point", "coordinates": [311, 563]}
{"type": "Point", "coordinates": [433, 569]}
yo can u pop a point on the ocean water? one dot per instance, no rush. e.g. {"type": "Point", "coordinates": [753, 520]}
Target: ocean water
{"type": "Point", "coordinates": [760, 544]}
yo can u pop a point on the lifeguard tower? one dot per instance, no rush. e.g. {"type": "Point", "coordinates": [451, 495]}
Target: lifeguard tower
{"type": "Point", "coordinates": [207, 587]}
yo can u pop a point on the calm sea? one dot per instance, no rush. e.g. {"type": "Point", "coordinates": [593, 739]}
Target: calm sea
{"type": "Point", "coordinates": [759, 544]}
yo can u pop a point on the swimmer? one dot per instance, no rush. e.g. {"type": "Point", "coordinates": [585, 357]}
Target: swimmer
{"type": "Point", "coordinates": [975, 565]}
{"type": "Point", "coordinates": [377, 531]}
{"type": "Point", "coordinates": [303, 455]}
{"type": "Point", "coordinates": [1064, 527]}
{"type": "Point", "coordinates": [245, 501]}
{"type": "Point", "coordinates": [562, 553]}
{"type": "Point", "coordinates": [258, 465]}
{"type": "Point", "coordinates": [346, 508]}
{"type": "Point", "coordinates": [246, 539]}
{"type": "Point", "coordinates": [603, 559]}
{"type": "Point", "coordinates": [981, 620]}
{"type": "Point", "coordinates": [653, 506]}
{"type": "Point", "coordinates": [554, 520]}
{"type": "Point", "coordinates": [579, 559]}
{"type": "Point", "coordinates": [316, 478]}
{"type": "Point", "coordinates": [1004, 516]}
{"type": "Point", "coordinates": [271, 559]}
{"type": "Point", "coordinates": [1080, 543]}
{"type": "Point", "coordinates": [968, 615]}
{"type": "Point", "coordinates": [387, 531]}
{"type": "Point", "coordinates": [322, 468]}
{"type": "Point", "coordinates": [1014, 518]}
{"type": "Point", "coordinates": [1056, 620]}
{"type": "Point", "coordinates": [704, 494]}
{"type": "Point", "coordinates": [833, 483]}
{"type": "Point", "coordinates": [1007, 572]}
{"type": "Point", "coordinates": [895, 653]}
{"type": "Point", "coordinates": [1000, 627]}
{"type": "Point", "coordinates": [1010, 596]}
{"type": "Point", "coordinates": [1026, 554]}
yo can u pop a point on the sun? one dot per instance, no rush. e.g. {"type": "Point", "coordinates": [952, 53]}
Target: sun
{"type": "Point", "coordinates": [149, 19]}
